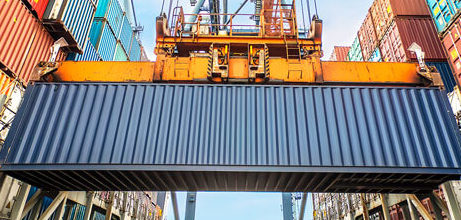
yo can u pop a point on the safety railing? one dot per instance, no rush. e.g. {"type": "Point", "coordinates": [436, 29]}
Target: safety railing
{"type": "Point", "coordinates": [279, 22]}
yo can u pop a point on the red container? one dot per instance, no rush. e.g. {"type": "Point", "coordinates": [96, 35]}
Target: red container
{"type": "Point", "coordinates": [38, 6]}
{"type": "Point", "coordinates": [367, 37]}
{"type": "Point", "coordinates": [406, 30]}
{"type": "Point", "coordinates": [452, 44]}
{"type": "Point", "coordinates": [26, 43]}
{"type": "Point", "coordinates": [384, 11]}
{"type": "Point", "coordinates": [340, 53]}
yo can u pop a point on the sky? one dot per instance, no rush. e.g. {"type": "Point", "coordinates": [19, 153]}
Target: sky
{"type": "Point", "coordinates": [341, 20]}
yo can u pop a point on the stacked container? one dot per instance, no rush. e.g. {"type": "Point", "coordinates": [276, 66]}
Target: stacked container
{"type": "Point", "coordinates": [446, 16]}
{"type": "Point", "coordinates": [112, 34]}
{"type": "Point", "coordinates": [355, 53]}
{"type": "Point", "coordinates": [38, 7]}
{"type": "Point", "coordinates": [27, 42]}
{"type": "Point", "coordinates": [70, 19]}
{"type": "Point", "coordinates": [391, 26]}
{"type": "Point", "coordinates": [339, 53]}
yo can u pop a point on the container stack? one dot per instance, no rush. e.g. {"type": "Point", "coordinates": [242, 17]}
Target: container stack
{"type": "Point", "coordinates": [340, 53]}
{"type": "Point", "coordinates": [446, 16]}
{"type": "Point", "coordinates": [111, 37]}
{"type": "Point", "coordinates": [391, 27]}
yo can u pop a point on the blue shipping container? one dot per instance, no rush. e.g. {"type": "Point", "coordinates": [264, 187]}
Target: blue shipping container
{"type": "Point", "coordinates": [115, 17]}
{"type": "Point", "coordinates": [443, 11]}
{"type": "Point", "coordinates": [103, 38]}
{"type": "Point", "coordinates": [223, 137]}
{"type": "Point", "coordinates": [77, 16]}
{"type": "Point", "coordinates": [446, 74]}
{"type": "Point", "coordinates": [112, 11]}
{"type": "Point", "coordinates": [126, 34]}
{"type": "Point", "coordinates": [89, 54]}
{"type": "Point", "coordinates": [135, 51]}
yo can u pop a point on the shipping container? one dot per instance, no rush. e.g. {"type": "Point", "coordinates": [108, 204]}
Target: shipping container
{"type": "Point", "coordinates": [443, 11]}
{"type": "Point", "coordinates": [27, 42]}
{"type": "Point", "coordinates": [112, 11]}
{"type": "Point", "coordinates": [355, 53]}
{"type": "Point", "coordinates": [446, 73]}
{"type": "Point", "coordinates": [367, 37]}
{"type": "Point", "coordinates": [120, 54]}
{"type": "Point", "coordinates": [339, 53]}
{"type": "Point", "coordinates": [70, 19]}
{"type": "Point", "coordinates": [126, 34]}
{"type": "Point", "coordinates": [103, 38]}
{"type": "Point", "coordinates": [405, 31]}
{"type": "Point", "coordinates": [115, 17]}
{"type": "Point", "coordinates": [89, 54]}
{"type": "Point", "coordinates": [376, 56]}
{"type": "Point", "coordinates": [38, 7]}
{"type": "Point", "coordinates": [101, 136]}
{"type": "Point", "coordinates": [135, 51]}
{"type": "Point", "coordinates": [384, 11]}
{"type": "Point", "coordinates": [452, 44]}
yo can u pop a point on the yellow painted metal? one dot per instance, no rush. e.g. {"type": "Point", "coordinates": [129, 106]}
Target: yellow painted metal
{"type": "Point", "coordinates": [105, 71]}
{"type": "Point", "coordinates": [306, 71]}
{"type": "Point", "coordinates": [368, 72]}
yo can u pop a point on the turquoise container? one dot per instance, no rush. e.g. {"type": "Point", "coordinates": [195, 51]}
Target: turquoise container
{"type": "Point", "coordinates": [113, 12]}
{"type": "Point", "coordinates": [120, 54]}
{"type": "Point", "coordinates": [443, 11]}
{"type": "Point", "coordinates": [355, 53]}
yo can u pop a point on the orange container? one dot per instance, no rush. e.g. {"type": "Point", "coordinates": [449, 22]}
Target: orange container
{"type": "Point", "coordinates": [367, 37]}
{"type": "Point", "coordinates": [27, 42]}
{"type": "Point", "coordinates": [452, 45]}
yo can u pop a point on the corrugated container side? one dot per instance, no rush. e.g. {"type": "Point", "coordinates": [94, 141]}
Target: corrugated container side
{"type": "Point", "coordinates": [367, 37]}
{"type": "Point", "coordinates": [405, 31]}
{"type": "Point", "coordinates": [120, 54]}
{"type": "Point", "coordinates": [76, 17]}
{"type": "Point", "coordinates": [443, 11]}
{"type": "Point", "coordinates": [89, 54]}
{"type": "Point", "coordinates": [135, 51]}
{"type": "Point", "coordinates": [26, 43]}
{"type": "Point", "coordinates": [380, 17]}
{"type": "Point", "coordinates": [376, 56]}
{"type": "Point", "coordinates": [39, 51]}
{"type": "Point", "coordinates": [452, 44]}
{"type": "Point", "coordinates": [126, 33]}
{"type": "Point", "coordinates": [355, 53]}
{"type": "Point", "coordinates": [96, 31]}
{"type": "Point", "coordinates": [164, 124]}
{"type": "Point", "coordinates": [115, 17]}
{"type": "Point", "coordinates": [106, 44]}
{"type": "Point", "coordinates": [38, 6]}
{"type": "Point", "coordinates": [101, 9]}
{"type": "Point", "coordinates": [446, 73]}
{"type": "Point", "coordinates": [406, 8]}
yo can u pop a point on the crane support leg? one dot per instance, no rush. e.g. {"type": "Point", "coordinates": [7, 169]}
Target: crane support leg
{"type": "Point", "coordinates": [287, 206]}
{"type": "Point", "coordinates": [191, 201]}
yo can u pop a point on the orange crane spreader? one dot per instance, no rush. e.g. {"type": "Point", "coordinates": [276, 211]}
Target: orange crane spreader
{"type": "Point", "coordinates": [270, 51]}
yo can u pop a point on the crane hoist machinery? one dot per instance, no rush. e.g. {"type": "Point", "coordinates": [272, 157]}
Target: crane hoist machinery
{"type": "Point", "coordinates": [235, 106]}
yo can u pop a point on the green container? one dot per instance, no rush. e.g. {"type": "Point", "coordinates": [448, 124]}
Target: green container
{"type": "Point", "coordinates": [120, 54]}
{"type": "Point", "coordinates": [355, 53]}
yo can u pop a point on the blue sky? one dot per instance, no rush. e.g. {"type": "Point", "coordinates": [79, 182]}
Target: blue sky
{"type": "Point", "coordinates": [342, 19]}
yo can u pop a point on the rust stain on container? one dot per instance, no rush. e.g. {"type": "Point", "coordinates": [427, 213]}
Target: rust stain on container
{"type": "Point", "coordinates": [26, 43]}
